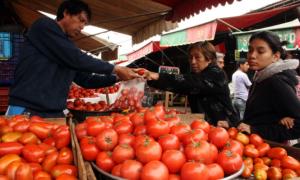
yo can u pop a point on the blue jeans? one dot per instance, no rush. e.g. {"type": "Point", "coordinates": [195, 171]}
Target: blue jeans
{"type": "Point", "coordinates": [15, 110]}
{"type": "Point", "coordinates": [240, 106]}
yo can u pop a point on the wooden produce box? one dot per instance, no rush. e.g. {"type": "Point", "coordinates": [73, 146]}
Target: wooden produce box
{"type": "Point", "coordinates": [189, 118]}
{"type": "Point", "coordinates": [85, 171]}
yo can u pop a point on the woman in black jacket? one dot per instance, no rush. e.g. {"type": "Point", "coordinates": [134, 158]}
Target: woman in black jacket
{"type": "Point", "coordinates": [206, 86]}
{"type": "Point", "coordinates": [272, 108]}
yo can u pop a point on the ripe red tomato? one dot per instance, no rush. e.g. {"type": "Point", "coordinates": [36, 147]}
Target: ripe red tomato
{"type": "Point", "coordinates": [289, 162]}
{"type": "Point", "coordinates": [274, 173]}
{"type": "Point", "coordinates": [174, 160]}
{"type": "Point", "coordinates": [194, 136]}
{"type": "Point", "coordinates": [148, 151]}
{"type": "Point", "coordinates": [123, 127]}
{"type": "Point", "coordinates": [263, 149]}
{"type": "Point", "coordinates": [139, 130]}
{"type": "Point", "coordinates": [137, 119]}
{"type": "Point", "coordinates": [256, 140]}
{"type": "Point", "coordinates": [81, 130]}
{"type": "Point", "coordinates": [168, 142]}
{"type": "Point", "coordinates": [64, 169]}
{"type": "Point", "coordinates": [277, 153]}
{"type": "Point", "coordinates": [198, 151]}
{"type": "Point", "coordinates": [47, 148]}
{"type": "Point", "coordinates": [193, 170]}
{"type": "Point", "coordinates": [155, 170]}
{"type": "Point", "coordinates": [104, 161]}
{"type": "Point", "coordinates": [172, 120]}
{"type": "Point", "coordinates": [41, 175]}
{"type": "Point", "coordinates": [62, 136]}
{"type": "Point", "coordinates": [88, 148]}
{"type": "Point", "coordinates": [95, 127]}
{"type": "Point", "coordinates": [65, 177]}
{"type": "Point", "coordinates": [234, 146]}
{"type": "Point", "coordinates": [250, 151]}
{"type": "Point", "coordinates": [28, 138]}
{"type": "Point", "coordinates": [218, 136]}
{"type": "Point", "coordinates": [10, 148]}
{"type": "Point", "coordinates": [65, 156]}
{"type": "Point", "coordinates": [40, 129]}
{"type": "Point", "coordinates": [276, 163]}
{"type": "Point", "coordinates": [232, 132]}
{"type": "Point", "coordinates": [116, 170]}
{"type": "Point", "coordinates": [107, 139]}
{"type": "Point", "coordinates": [50, 161]}
{"type": "Point", "coordinates": [230, 161]}
{"type": "Point", "coordinates": [24, 172]}
{"type": "Point", "coordinates": [213, 154]}
{"type": "Point", "coordinates": [157, 128]}
{"type": "Point", "coordinates": [126, 139]}
{"type": "Point", "coordinates": [140, 139]}
{"type": "Point", "coordinates": [12, 168]}
{"type": "Point", "coordinates": [33, 153]}
{"type": "Point", "coordinates": [21, 126]}
{"type": "Point", "coordinates": [201, 124]}
{"type": "Point", "coordinates": [6, 160]}
{"type": "Point", "coordinates": [179, 130]}
{"type": "Point", "coordinates": [35, 167]}
{"type": "Point", "coordinates": [131, 169]}
{"type": "Point", "coordinates": [141, 72]}
{"type": "Point", "coordinates": [215, 171]}
{"type": "Point", "coordinates": [122, 152]}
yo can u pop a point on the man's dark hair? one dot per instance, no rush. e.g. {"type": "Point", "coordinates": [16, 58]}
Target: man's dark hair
{"type": "Point", "coordinates": [73, 7]}
{"type": "Point", "coordinates": [241, 62]}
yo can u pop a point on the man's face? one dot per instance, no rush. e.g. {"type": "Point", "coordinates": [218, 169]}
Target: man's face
{"type": "Point", "coordinates": [244, 67]}
{"type": "Point", "coordinates": [220, 62]}
{"type": "Point", "coordinates": [74, 23]}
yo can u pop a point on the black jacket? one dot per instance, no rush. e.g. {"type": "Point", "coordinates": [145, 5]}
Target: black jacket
{"type": "Point", "coordinates": [207, 89]}
{"type": "Point", "coordinates": [271, 100]}
{"type": "Point", "coordinates": [48, 64]}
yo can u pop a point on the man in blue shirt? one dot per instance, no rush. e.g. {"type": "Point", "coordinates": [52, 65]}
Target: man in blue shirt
{"type": "Point", "coordinates": [50, 62]}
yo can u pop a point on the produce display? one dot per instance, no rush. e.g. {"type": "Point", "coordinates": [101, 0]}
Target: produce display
{"type": "Point", "coordinates": [124, 96]}
{"type": "Point", "coordinates": [151, 144]}
{"type": "Point", "coordinates": [32, 148]}
{"type": "Point", "coordinates": [79, 92]}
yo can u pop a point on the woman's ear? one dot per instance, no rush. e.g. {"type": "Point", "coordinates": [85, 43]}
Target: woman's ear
{"type": "Point", "coordinates": [276, 56]}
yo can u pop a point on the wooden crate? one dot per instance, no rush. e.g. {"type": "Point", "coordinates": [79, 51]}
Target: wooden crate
{"type": "Point", "coordinates": [84, 168]}
{"type": "Point", "coordinates": [188, 118]}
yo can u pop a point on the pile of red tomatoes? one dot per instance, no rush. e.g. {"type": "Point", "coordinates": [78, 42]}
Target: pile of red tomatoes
{"type": "Point", "coordinates": [32, 148]}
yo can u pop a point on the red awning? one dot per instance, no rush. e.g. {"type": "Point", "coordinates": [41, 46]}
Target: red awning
{"type": "Point", "coordinates": [184, 9]}
{"type": "Point", "coordinates": [147, 49]}
{"type": "Point", "coordinates": [250, 19]}
{"type": "Point", "coordinates": [207, 31]}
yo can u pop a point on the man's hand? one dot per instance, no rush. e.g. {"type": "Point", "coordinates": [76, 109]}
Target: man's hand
{"type": "Point", "coordinates": [223, 123]}
{"type": "Point", "coordinates": [288, 122]}
{"type": "Point", "coordinates": [244, 128]}
{"type": "Point", "coordinates": [125, 73]}
{"type": "Point", "coordinates": [147, 74]}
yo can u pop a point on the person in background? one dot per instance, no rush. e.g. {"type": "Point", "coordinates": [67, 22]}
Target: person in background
{"type": "Point", "coordinates": [206, 86]}
{"type": "Point", "coordinates": [272, 108]}
{"type": "Point", "coordinates": [241, 85]}
{"type": "Point", "coordinates": [50, 62]}
{"type": "Point", "coordinates": [220, 60]}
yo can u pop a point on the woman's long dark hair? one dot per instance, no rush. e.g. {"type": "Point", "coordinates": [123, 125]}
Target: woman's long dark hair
{"type": "Point", "coordinates": [272, 40]}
